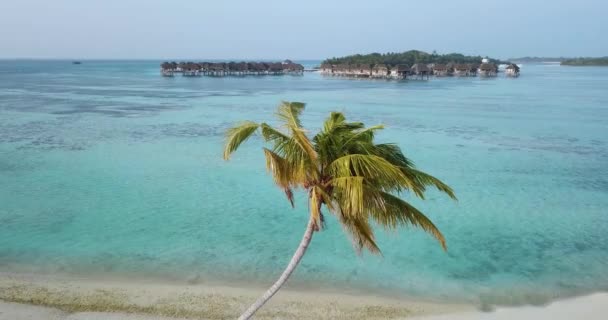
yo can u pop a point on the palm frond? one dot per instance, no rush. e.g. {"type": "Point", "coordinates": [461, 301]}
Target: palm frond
{"type": "Point", "coordinates": [392, 153]}
{"type": "Point", "coordinates": [302, 140]}
{"type": "Point", "coordinates": [361, 233]}
{"type": "Point", "coordinates": [235, 136]}
{"type": "Point", "coordinates": [428, 180]}
{"type": "Point", "coordinates": [366, 135]}
{"type": "Point", "coordinates": [376, 171]}
{"type": "Point", "coordinates": [289, 147]}
{"type": "Point", "coordinates": [280, 168]}
{"type": "Point", "coordinates": [289, 114]}
{"type": "Point", "coordinates": [273, 135]}
{"type": "Point", "coordinates": [335, 119]}
{"type": "Point", "coordinates": [348, 192]}
{"type": "Point", "coordinates": [398, 212]}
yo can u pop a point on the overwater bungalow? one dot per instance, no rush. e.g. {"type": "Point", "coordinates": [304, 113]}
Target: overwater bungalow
{"type": "Point", "coordinates": [400, 71]}
{"type": "Point", "coordinates": [488, 70]}
{"type": "Point", "coordinates": [292, 68]}
{"type": "Point", "coordinates": [326, 68]}
{"type": "Point", "coordinates": [380, 71]}
{"type": "Point", "coordinates": [166, 69]}
{"type": "Point", "coordinates": [472, 69]}
{"type": "Point", "coordinates": [417, 71]}
{"type": "Point", "coordinates": [440, 70]}
{"type": "Point", "coordinates": [512, 70]}
{"type": "Point", "coordinates": [363, 71]}
{"type": "Point", "coordinates": [420, 70]}
{"type": "Point", "coordinates": [191, 69]}
{"type": "Point", "coordinates": [275, 68]}
{"type": "Point", "coordinates": [346, 70]}
{"type": "Point", "coordinates": [461, 70]}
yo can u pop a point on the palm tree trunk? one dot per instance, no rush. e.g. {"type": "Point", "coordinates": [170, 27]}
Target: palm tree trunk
{"type": "Point", "coordinates": [291, 267]}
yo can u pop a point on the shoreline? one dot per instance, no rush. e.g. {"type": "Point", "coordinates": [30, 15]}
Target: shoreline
{"type": "Point", "coordinates": [141, 299]}
{"type": "Point", "coordinates": [33, 296]}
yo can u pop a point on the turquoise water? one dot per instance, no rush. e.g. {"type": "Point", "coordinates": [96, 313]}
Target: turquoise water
{"type": "Point", "coordinates": [107, 168]}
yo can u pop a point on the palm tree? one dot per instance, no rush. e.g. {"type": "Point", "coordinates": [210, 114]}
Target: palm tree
{"type": "Point", "coordinates": [342, 170]}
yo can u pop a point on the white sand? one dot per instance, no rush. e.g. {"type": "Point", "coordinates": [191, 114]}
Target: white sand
{"type": "Point", "coordinates": [15, 311]}
{"type": "Point", "coordinates": [36, 297]}
{"type": "Point", "coordinates": [592, 307]}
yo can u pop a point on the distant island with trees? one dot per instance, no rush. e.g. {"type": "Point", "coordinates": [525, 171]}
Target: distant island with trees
{"type": "Point", "coordinates": [582, 61]}
{"type": "Point", "coordinates": [602, 61]}
{"type": "Point", "coordinates": [538, 59]}
{"type": "Point", "coordinates": [409, 58]}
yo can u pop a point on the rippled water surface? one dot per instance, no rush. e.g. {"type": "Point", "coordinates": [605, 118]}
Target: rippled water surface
{"type": "Point", "coordinates": [108, 168]}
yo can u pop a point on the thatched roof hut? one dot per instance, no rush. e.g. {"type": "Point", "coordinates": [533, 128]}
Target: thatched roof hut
{"type": "Point", "coordinates": [241, 66]}
{"type": "Point", "coordinates": [440, 67]}
{"type": "Point", "coordinates": [440, 70]}
{"type": "Point", "coordinates": [487, 67]}
{"type": "Point", "coordinates": [512, 70]}
{"type": "Point", "coordinates": [275, 67]}
{"type": "Point", "coordinates": [291, 67]}
{"type": "Point", "coordinates": [401, 68]}
{"type": "Point", "coordinates": [420, 69]}
{"type": "Point", "coordinates": [461, 70]}
{"type": "Point", "coordinates": [365, 68]}
{"type": "Point", "coordinates": [461, 67]}
{"type": "Point", "coordinates": [512, 66]}
{"type": "Point", "coordinates": [488, 70]}
{"type": "Point", "coordinates": [380, 71]}
{"type": "Point", "coordinates": [399, 71]}
{"type": "Point", "coordinates": [473, 67]}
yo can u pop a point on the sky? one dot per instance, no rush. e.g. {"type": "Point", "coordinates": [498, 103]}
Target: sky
{"type": "Point", "coordinates": [306, 29]}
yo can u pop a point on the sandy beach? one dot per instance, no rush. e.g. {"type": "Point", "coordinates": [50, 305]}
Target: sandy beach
{"type": "Point", "coordinates": [24, 296]}
{"type": "Point", "coordinates": [28, 296]}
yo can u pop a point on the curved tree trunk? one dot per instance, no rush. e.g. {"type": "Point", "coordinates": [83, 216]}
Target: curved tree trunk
{"type": "Point", "coordinates": [291, 267]}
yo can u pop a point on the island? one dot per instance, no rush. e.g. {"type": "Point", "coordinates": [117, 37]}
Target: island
{"type": "Point", "coordinates": [410, 57]}
{"type": "Point", "coordinates": [538, 59]}
{"type": "Point", "coordinates": [413, 64]}
{"type": "Point", "coordinates": [601, 61]}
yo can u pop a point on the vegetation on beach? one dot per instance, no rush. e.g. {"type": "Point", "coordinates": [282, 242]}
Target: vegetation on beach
{"type": "Point", "coordinates": [408, 58]}
{"type": "Point", "coordinates": [344, 172]}
{"type": "Point", "coordinates": [602, 61]}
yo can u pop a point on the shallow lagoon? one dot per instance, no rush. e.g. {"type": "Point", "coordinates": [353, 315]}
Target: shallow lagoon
{"type": "Point", "coordinates": [108, 168]}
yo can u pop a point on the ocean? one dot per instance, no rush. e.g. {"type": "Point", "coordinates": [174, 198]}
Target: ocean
{"type": "Point", "coordinates": [109, 169]}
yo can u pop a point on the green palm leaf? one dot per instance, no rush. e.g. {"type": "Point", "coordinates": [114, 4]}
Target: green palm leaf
{"type": "Point", "coordinates": [237, 135]}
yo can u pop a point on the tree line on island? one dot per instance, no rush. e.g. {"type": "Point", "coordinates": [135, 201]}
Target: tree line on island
{"type": "Point", "coordinates": [410, 58]}
{"type": "Point", "coordinates": [602, 61]}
